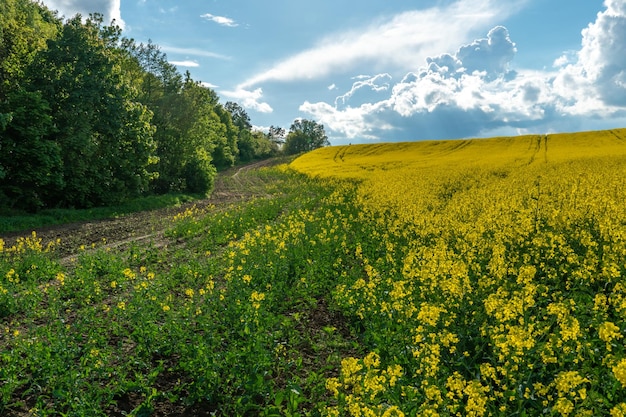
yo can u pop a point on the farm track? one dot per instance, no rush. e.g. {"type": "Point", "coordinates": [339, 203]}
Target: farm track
{"type": "Point", "coordinates": [147, 227]}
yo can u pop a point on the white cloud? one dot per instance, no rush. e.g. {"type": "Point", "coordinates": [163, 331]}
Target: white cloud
{"type": "Point", "coordinates": [208, 85]}
{"type": "Point", "coordinates": [110, 9]}
{"type": "Point", "coordinates": [220, 20]}
{"type": "Point", "coordinates": [602, 58]}
{"type": "Point", "coordinates": [249, 99]}
{"type": "Point", "coordinates": [473, 91]}
{"type": "Point", "coordinates": [376, 84]}
{"type": "Point", "coordinates": [194, 52]}
{"type": "Point", "coordinates": [186, 63]}
{"type": "Point", "coordinates": [395, 44]}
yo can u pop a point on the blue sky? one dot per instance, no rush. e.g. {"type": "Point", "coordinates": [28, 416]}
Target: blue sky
{"type": "Point", "coordinates": [382, 71]}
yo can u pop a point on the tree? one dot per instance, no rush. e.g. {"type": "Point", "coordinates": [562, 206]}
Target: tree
{"type": "Point", "coordinates": [245, 141]}
{"type": "Point", "coordinates": [104, 134]}
{"type": "Point", "coordinates": [262, 146]}
{"type": "Point", "coordinates": [304, 136]}
{"type": "Point", "coordinates": [31, 163]}
{"type": "Point", "coordinates": [276, 134]}
{"type": "Point", "coordinates": [226, 152]}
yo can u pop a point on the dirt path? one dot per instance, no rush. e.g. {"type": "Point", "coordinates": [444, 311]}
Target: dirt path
{"type": "Point", "coordinates": [230, 186]}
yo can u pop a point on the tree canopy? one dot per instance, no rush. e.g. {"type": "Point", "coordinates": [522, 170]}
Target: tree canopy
{"type": "Point", "coordinates": [304, 136]}
{"type": "Point", "coordinates": [89, 117]}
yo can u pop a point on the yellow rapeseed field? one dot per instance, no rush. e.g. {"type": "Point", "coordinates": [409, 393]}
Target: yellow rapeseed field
{"type": "Point", "coordinates": [493, 279]}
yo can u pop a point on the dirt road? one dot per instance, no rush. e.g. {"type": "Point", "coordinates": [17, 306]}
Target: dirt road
{"type": "Point", "coordinates": [231, 186]}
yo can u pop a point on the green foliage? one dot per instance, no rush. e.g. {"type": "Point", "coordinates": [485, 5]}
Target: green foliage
{"type": "Point", "coordinates": [144, 330]}
{"type": "Point", "coordinates": [15, 220]}
{"type": "Point", "coordinates": [89, 118]}
{"type": "Point", "coordinates": [304, 136]}
{"type": "Point", "coordinates": [30, 160]}
{"type": "Point", "coordinates": [200, 173]}
{"type": "Point", "coordinates": [105, 137]}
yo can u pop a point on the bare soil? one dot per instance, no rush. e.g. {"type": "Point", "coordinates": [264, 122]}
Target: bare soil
{"type": "Point", "coordinates": [231, 186]}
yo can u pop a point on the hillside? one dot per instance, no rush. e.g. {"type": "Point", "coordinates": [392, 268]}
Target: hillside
{"type": "Point", "coordinates": [453, 278]}
{"type": "Point", "coordinates": [356, 161]}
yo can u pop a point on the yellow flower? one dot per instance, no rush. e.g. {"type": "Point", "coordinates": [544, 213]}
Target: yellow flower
{"type": "Point", "coordinates": [619, 371]}
{"type": "Point", "coordinates": [256, 299]}
{"type": "Point", "coordinates": [372, 360]}
{"type": "Point", "coordinates": [121, 305]}
{"type": "Point", "coordinates": [563, 406]}
{"type": "Point", "coordinates": [166, 307]}
{"type": "Point", "coordinates": [333, 385]}
{"type": "Point", "coordinates": [393, 411]}
{"type": "Point", "coordinates": [619, 410]}
{"type": "Point", "coordinates": [608, 332]}
{"type": "Point", "coordinates": [247, 278]}
{"type": "Point", "coordinates": [349, 367]}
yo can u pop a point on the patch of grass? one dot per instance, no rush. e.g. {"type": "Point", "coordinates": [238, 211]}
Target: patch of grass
{"type": "Point", "coordinates": [16, 221]}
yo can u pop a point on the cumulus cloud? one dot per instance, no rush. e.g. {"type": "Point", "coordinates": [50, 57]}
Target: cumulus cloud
{"type": "Point", "coordinates": [110, 9]}
{"type": "Point", "coordinates": [397, 43]}
{"type": "Point", "coordinates": [365, 85]}
{"type": "Point", "coordinates": [473, 91]}
{"type": "Point", "coordinates": [220, 20]}
{"type": "Point", "coordinates": [249, 99]}
{"type": "Point", "coordinates": [490, 55]}
{"type": "Point", "coordinates": [602, 59]}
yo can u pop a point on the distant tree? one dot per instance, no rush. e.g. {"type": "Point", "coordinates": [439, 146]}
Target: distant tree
{"type": "Point", "coordinates": [304, 136]}
{"type": "Point", "coordinates": [239, 115]}
{"type": "Point", "coordinates": [245, 141]}
{"type": "Point", "coordinates": [276, 135]}
{"type": "Point", "coordinates": [262, 146]}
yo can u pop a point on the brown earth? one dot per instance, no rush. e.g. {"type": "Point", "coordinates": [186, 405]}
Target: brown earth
{"type": "Point", "coordinates": [231, 186]}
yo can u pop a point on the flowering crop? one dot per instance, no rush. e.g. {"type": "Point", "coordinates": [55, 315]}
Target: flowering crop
{"type": "Point", "coordinates": [460, 278]}
{"type": "Point", "coordinates": [492, 274]}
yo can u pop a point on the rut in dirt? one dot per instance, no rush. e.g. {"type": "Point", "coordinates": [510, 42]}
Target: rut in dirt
{"type": "Point", "coordinates": [231, 186]}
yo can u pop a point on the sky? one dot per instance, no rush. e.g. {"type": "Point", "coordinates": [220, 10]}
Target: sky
{"type": "Point", "coordinates": [398, 70]}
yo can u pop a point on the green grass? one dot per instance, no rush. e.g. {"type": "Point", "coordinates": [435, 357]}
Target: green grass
{"type": "Point", "coordinates": [232, 318]}
{"type": "Point", "coordinates": [20, 221]}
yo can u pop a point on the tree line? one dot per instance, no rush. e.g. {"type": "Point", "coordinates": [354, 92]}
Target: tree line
{"type": "Point", "coordinates": [89, 117]}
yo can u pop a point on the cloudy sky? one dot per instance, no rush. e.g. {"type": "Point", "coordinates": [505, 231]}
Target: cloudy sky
{"type": "Point", "coordinates": [373, 71]}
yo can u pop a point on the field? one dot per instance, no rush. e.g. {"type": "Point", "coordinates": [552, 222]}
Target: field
{"type": "Point", "coordinates": [449, 278]}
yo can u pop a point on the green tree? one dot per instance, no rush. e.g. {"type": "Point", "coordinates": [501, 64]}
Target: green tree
{"type": "Point", "coordinates": [31, 163]}
{"type": "Point", "coordinates": [241, 120]}
{"type": "Point", "coordinates": [276, 134]}
{"type": "Point", "coordinates": [25, 27]}
{"type": "Point", "coordinates": [262, 146]}
{"type": "Point", "coordinates": [304, 136]}
{"type": "Point", "coordinates": [104, 134]}
{"type": "Point", "coordinates": [225, 154]}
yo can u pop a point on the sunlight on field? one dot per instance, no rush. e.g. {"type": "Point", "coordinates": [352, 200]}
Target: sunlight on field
{"type": "Point", "coordinates": [455, 278]}
{"type": "Point", "coordinates": [360, 161]}
{"type": "Point", "coordinates": [493, 281]}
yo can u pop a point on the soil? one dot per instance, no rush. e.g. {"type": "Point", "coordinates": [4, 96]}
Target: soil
{"type": "Point", "coordinates": [230, 187]}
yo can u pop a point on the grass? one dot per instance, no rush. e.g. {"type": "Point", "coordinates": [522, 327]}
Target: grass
{"type": "Point", "coordinates": [18, 221]}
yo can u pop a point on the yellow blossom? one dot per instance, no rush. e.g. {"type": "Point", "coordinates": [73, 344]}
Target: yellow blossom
{"type": "Point", "coordinates": [619, 370]}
